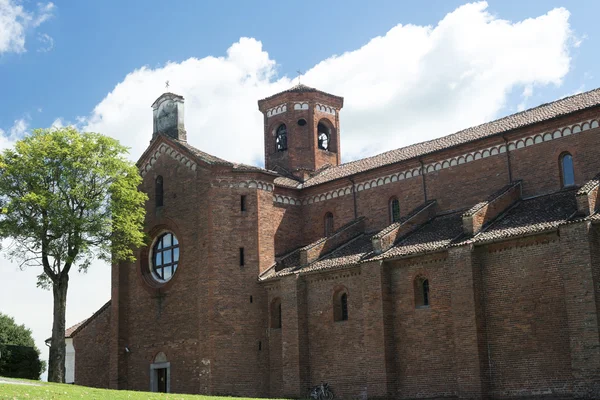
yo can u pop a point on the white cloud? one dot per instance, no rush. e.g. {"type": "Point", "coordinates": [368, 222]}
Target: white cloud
{"type": "Point", "coordinates": [58, 123]}
{"type": "Point", "coordinates": [414, 83]}
{"type": "Point", "coordinates": [19, 128]}
{"type": "Point", "coordinates": [15, 21]}
{"type": "Point", "coordinates": [47, 43]}
{"type": "Point", "coordinates": [14, 133]}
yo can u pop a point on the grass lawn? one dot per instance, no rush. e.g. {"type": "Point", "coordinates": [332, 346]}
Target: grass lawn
{"type": "Point", "coordinates": [49, 391]}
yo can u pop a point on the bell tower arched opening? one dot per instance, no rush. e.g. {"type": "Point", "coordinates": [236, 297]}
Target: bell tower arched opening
{"type": "Point", "coordinates": [301, 131]}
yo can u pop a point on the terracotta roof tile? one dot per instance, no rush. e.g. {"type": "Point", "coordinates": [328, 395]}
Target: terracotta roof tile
{"type": "Point", "coordinates": [437, 234]}
{"type": "Point", "coordinates": [72, 329]}
{"type": "Point", "coordinates": [76, 328]}
{"type": "Point", "coordinates": [534, 115]}
{"type": "Point", "coordinates": [299, 88]}
{"type": "Point", "coordinates": [589, 186]}
{"type": "Point", "coordinates": [531, 216]}
{"type": "Point", "coordinates": [350, 253]}
{"type": "Point", "coordinates": [286, 182]}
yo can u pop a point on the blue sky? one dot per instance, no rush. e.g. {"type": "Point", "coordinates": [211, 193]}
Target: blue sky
{"type": "Point", "coordinates": [96, 43]}
{"type": "Point", "coordinates": [409, 71]}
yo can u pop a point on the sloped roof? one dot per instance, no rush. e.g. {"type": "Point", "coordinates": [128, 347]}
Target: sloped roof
{"type": "Point", "coordinates": [437, 234]}
{"type": "Point", "coordinates": [534, 115]}
{"type": "Point", "coordinates": [205, 157]}
{"type": "Point", "coordinates": [529, 216]}
{"type": "Point", "coordinates": [351, 252]}
{"type": "Point", "coordinates": [531, 116]}
{"type": "Point", "coordinates": [300, 88]}
{"type": "Point", "coordinates": [72, 331]}
{"type": "Point", "coordinates": [69, 331]}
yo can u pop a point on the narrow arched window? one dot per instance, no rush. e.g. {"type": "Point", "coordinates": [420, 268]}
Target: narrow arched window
{"type": "Point", "coordinates": [340, 306]}
{"type": "Point", "coordinates": [394, 210]}
{"type": "Point", "coordinates": [158, 191]}
{"type": "Point", "coordinates": [328, 224]}
{"type": "Point", "coordinates": [344, 304]}
{"type": "Point", "coordinates": [323, 136]}
{"type": "Point", "coordinates": [421, 288]}
{"type": "Point", "coordinates": [566, 169]}
{"type": "Point", "coordinates": [425, 289]}
{"type": "Point", "coordinates": [281, 138]}
{"type": "Point", "coordinates": [276, 314]}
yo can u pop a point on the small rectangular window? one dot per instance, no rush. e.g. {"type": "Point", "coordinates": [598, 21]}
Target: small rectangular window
{"type": "Point", "coordinates": [243, 203]}
{"type": "Point", "coordinates": [242, 261]}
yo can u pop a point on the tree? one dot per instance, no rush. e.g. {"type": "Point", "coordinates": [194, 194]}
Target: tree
{"type": "Point", "coordinates": [19, 357]}
{"type": "Point", "coordinates": [68, 198]}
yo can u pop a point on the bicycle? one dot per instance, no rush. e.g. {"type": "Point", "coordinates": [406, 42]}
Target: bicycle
{"type": "Point", "coordinates": [321, 392]}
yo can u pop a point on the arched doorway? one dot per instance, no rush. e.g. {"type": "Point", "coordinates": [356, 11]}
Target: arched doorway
{"type": "Point", "coordinates": [160, 374]}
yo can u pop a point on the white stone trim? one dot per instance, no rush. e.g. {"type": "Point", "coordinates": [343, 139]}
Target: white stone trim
{"type": "Point", "coordinates": [325, 109]}
{"type": "Point", "coordinates": [394, 177]}
{"type": "Point", "coordinates": [276, 110]}
{"type": "Point", "coordinates": [301, 106]}
{"type": "Point", "coordinates": [250, 184]}
{"type": "Point", "coordinates": [277, 198]}
{"type": "Point", "coordinates": [457, 160]}
{"type": "Point", "coordinates": [513, 145]}
{"type": "Point", "coordinates": [171, 152]}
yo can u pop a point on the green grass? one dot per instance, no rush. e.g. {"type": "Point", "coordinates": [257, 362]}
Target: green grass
{"type": "Point", "coordinates": [51, 391]}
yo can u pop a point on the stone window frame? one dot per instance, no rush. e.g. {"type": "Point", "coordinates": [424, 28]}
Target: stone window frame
{"type": "Point", "coordinates": [340, 305]}
{"type": "Point", "coordinates": [394, 217]}
{"type": "Point", "coordinates": [561, 168]}
{"type": "Point", "coordinates": [144, 267]}
{"type": "Point", "coordinates": [151, 255]}
{"type": "Point", "coordinates": [422, 292]}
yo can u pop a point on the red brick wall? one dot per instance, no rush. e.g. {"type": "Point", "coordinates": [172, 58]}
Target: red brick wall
{"type": "Point", "coordinates": [302, 151]}
{"type": "Point", "coordinates": [423, 337]}
{"type": "Point", "coordinates": [507, 302]}
{"type": "Point", "coordinates": [527, 335]}
{"type": "Point", "coordinates": [336, 348]}
{"type": "Point", "coordinates": [202, 319]}
{"type": "Point", "coordinates": [236, 325]}
{"type": "Point", "coordinates": [171, 320]}
{"type": "Point", "coordinates": [92, 352]}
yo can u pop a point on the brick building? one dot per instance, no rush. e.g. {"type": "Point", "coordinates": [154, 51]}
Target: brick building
{"type": "Point", "coordinates": [466, 266]}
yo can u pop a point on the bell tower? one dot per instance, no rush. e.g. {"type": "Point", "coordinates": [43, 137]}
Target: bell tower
{"type": "Point", "coordinates": [301, 130]}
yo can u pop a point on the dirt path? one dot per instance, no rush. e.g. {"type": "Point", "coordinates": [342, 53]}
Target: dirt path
{"type": "Point", "coordinates": [17, 382]}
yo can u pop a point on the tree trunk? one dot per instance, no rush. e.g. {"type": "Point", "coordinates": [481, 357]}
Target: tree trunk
{"type": "Point", "coordinates": [56, 362]}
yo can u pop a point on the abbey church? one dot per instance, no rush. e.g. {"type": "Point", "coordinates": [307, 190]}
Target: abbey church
{"type": "Point", "coordinates": [465, 267]}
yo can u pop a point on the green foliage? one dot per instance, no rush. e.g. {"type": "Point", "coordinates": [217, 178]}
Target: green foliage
{"type": "Point", "coordinates": [11, 333]}
{"type": "Point", "coordinates": [68, 198]}
{"type": "Point", "coordinates": [20, 362]}
{"type": "Point", "coordinates": [19, 358]}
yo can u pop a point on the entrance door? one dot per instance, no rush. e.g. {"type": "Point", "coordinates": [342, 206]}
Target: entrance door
{"type": "Point", "coordinates": [161, 380]}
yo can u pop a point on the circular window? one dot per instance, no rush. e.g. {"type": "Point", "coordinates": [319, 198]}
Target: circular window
{"type": "Point", "coordinates": [165, 257]}
{"type": "Point", "coordinates": [301, 122]}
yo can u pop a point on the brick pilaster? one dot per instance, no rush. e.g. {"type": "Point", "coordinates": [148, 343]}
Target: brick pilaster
{"type": "Point", "coordinates": [378, 344]}
{"type": "Point", "coordinates": [294, 337]}
{"type": "Point", "coordinates": [578, 260]}
{"type": "Point", "coordinates": [468, 323]}
{"type": "Point", "coordinates": [113, 374]}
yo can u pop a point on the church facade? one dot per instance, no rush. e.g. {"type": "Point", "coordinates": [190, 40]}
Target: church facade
{"type": "Point", "coordinates": [466, 266]}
